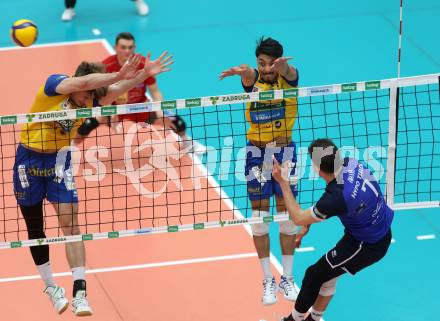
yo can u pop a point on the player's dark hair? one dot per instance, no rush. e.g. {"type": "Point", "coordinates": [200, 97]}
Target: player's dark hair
{"type": "Point", "coordinates": [269, 47]}
{"type": "Point", "coordinates": [87, 68]}
{"type": "Point", "coordinates": [325, 154]}
{"type": "Point", "coordinates": [125, 36]}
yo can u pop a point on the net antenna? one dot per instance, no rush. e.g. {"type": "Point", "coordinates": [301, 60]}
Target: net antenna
{"type": "Point", "coordinates": [393, 121]}
{"type": "Point", "coordinates": [400, 39]}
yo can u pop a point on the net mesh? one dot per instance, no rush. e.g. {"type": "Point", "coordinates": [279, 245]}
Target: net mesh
{"type": "Point", "coordinates": [417, 177]}
{"type": "Point", "coordinates": [145, 177]}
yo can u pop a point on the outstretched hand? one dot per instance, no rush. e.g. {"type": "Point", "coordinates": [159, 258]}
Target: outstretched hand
{"type": "Point", "coordinates": [280, 65]}
{"type": "Point", "coordinates": [237, 70]}
{"type": "Point", "coordinates": [280, 172]}
{"type": "Point", "coordinates": [130, 69]}
{"type": "Point", "coordinates": [160, 65]}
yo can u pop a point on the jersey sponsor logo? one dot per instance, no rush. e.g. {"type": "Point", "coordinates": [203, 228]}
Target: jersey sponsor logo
{"type": "Point", "coordinates": [361, 207]}
{"type": "Point", "coordinates": [350, 177]}
{"type": "Point", "coordinates": [357, 184]}
{"type": "Point", "coordinates": [40, 172]}
{"type": "Point", "coordinates": [261, 117]}
{"type": "Point", "coordinates": [257, 106]}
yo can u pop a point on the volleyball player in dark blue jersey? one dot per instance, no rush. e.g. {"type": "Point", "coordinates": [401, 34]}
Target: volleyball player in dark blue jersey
{"type": "Point", "coordinates": [353, 195]}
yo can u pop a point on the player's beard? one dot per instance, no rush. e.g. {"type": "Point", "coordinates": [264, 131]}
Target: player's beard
{"type": "Point", "coordinates": [269, 78]}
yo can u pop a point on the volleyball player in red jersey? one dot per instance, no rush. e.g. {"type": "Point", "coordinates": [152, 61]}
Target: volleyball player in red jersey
{"type": "Point", "coordinates": [143, 92]}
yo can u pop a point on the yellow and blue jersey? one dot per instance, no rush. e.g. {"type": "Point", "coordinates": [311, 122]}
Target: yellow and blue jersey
{"type": "Point", "coordinates": [355, 197]}
{"type": "Point", "coordinates": [50, 135]}
{"type": "Point", "coordinates": [41, 170]}
{"type": "Point", "coordinates": [269, 120]}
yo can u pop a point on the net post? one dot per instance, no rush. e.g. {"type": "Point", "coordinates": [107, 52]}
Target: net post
{"type": "Point", "coordinates": [392, 138]}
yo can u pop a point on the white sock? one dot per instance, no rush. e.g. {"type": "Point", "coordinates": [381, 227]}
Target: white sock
{"type": "Point", "coordinates": [316, 315]}
{"type": "Point", "coordinates": [46, 274]}
{"type": "Point", "coordinates": [287, 265]}
{"type": "Point", "coordinates": [79, 273]}
{"type": "Point", "coordinates": [265, 264]}
{"type": "Point", "coordinates": [297, 316]}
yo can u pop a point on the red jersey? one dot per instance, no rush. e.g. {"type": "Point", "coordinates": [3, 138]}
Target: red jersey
{"type": "Point", "coordinates": [134, 95]}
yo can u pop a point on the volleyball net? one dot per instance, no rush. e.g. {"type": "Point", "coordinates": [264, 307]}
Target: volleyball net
{"type": "Point", "coordinates": [142, 179]}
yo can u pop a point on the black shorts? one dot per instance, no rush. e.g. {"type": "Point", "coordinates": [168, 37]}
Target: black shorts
{"type": "Point", "coordinates": [352, 255]}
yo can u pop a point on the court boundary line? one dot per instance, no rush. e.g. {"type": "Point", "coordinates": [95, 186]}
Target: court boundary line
{"type": "Point", "coordinates": [139, 266]}
{"type": "Point", "coordinates": [54, 44]}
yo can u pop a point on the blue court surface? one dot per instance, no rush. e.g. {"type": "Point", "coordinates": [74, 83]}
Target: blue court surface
{"type": "Point", "coordinates": [332, 42]}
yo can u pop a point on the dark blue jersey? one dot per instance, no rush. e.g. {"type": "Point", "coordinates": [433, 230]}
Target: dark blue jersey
{"type": "Point", "coordinates": [355, 197]}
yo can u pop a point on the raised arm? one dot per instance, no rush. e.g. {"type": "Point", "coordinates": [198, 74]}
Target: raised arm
{"type": "Point", "coordinates": [152, 68]}
{"type": "Point", "coordinates": [246, 73]}
{"type": "Point", "coordinates": [281, 66]}
{"type": "Point", "coordinates": [98, 80]}
{"type": "Point", "coordinates": [296, 213]}
{"type": "Point", "coordinates": [156, 94]}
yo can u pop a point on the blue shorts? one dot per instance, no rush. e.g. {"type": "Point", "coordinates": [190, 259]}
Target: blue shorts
{"type": "Point", "coordinates": [37, 176]}
{"type": "Point", "coordinates": [258, 170]}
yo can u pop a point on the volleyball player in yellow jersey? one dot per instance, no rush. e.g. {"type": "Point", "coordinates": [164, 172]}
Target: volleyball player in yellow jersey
{"type": "Point", "coordinates": [270, 134]}
{"type": "Point", "coordinates": [42, 163]}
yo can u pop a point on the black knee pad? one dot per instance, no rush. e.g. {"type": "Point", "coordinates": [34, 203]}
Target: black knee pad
{"type": "Point", "coordinates": [179, 123]}
{"type": "Point", "coordinates": [310, 274]}
{"type": "Point", "coordinates": [88, 126]}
